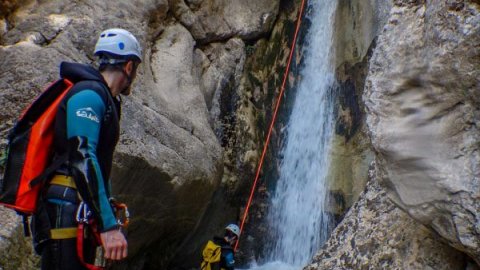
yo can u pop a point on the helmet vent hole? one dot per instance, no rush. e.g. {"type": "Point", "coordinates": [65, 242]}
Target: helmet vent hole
{"type": "Point", "coordinates": [111, 35]}
{"type": "Point", "coordinates": [103, 35]}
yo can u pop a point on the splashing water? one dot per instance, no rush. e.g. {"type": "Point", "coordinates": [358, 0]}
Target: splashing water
{"type": "Point", "coordinates": [277, 265]}
{"type": "Point", "coordinates": [297, 217]}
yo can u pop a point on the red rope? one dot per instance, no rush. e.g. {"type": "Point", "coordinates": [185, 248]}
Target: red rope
{"type": "Point", "coordinates": [267, 141]}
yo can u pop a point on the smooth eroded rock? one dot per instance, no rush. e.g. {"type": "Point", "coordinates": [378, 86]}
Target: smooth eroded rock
{"type": "Point", "coordinates": [210, 20]}
{"type": "Point", "coordinates": [423, 113]}
{"type": "Point", "coordinates": [168, 161]}
{"type": "Point", "coordinates": [375, 234]}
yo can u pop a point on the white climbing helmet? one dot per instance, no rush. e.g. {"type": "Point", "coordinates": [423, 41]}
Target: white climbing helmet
{"type": "Point", "coordinates": [234, 229]}
{"type": "Point", "coordinates": [118, 42]}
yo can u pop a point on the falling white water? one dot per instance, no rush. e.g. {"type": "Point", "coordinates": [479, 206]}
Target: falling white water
{"type": "Point", "coordinates": [298, 218]}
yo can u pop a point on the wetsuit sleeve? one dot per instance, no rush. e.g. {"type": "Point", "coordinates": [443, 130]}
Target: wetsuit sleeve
{"type": "Point", "coordinates": [85, 111]}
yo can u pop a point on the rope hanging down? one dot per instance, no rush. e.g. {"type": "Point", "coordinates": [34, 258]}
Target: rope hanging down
{"type": "Point", "coordinates": [274, 118]}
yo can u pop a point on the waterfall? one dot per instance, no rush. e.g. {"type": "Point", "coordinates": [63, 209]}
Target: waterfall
{"type": "Point", "coordinates": [297, 217]}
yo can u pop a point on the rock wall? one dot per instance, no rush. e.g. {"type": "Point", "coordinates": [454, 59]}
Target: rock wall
{"type": "Point", "coordinates": [357, 24]}
{"type": "Point", "coordinates": [170, 159]}
{"type": "Point", "coordinates": [194, 127]}
{"type": "Point", "coordinates": [262, 79]}
{"type": "Point", "coordinates": [375, 234]}
{"type": "Point", "coordinates": [16, 250]}
{"type": "Point", "coordinates": [245, 111]}
{"type": "Point", "coordinates": [423, 115]}
{"type": "Point", "coordinates": [265, 69]}
{"type": "Point", "coordinates": [210, 20]}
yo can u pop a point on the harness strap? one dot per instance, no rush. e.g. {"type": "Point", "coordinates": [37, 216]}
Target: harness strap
{"type": "Point", "coordinates": [49, 171]}
{"type": "Point", "coordinates": [79, 232]}
{"type": "Point", "coordinates": [63, 180]}
{"type": "Point", "coordinates": [26, 230]}
{"type": "Point", "coordinates": [63, 233]}
{"type": "Point", "coordinates": [75, 232]}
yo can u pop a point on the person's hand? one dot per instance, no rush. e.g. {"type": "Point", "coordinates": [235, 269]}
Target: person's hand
{"type": "Point", "coordinates": [114, 244]}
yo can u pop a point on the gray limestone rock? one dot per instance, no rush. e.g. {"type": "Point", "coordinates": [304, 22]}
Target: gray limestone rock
{"type": "Point", "coordinates": [375, 234]}
{"type": "Point", "coordinates": [168, 161]}
{"type": "Point", "coordinates": [210, 20]}
{"type": "Point", "coordinates": [423, 112]}
{"type": "Point", "coordinates": [16, 250]}
{"type": "Point", "coordinates": [221, 79]}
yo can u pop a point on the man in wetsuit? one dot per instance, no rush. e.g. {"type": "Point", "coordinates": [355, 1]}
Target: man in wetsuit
{"type": "Point", "coordinates": [86, 133]}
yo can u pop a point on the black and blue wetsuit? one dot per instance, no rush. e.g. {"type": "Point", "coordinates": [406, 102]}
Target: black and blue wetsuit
{"type": "Point", "coordinates": [85, 110]}
{"type": "Point", "coordinates": [227, 259]}
{"type": "Point", "coordinates": [86, 132]}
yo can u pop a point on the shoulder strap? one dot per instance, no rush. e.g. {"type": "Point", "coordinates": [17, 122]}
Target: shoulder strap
{"type": "Point", "coordinates": [100, 89]}
{"type": "Point", "coordinates": [50, 169]}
